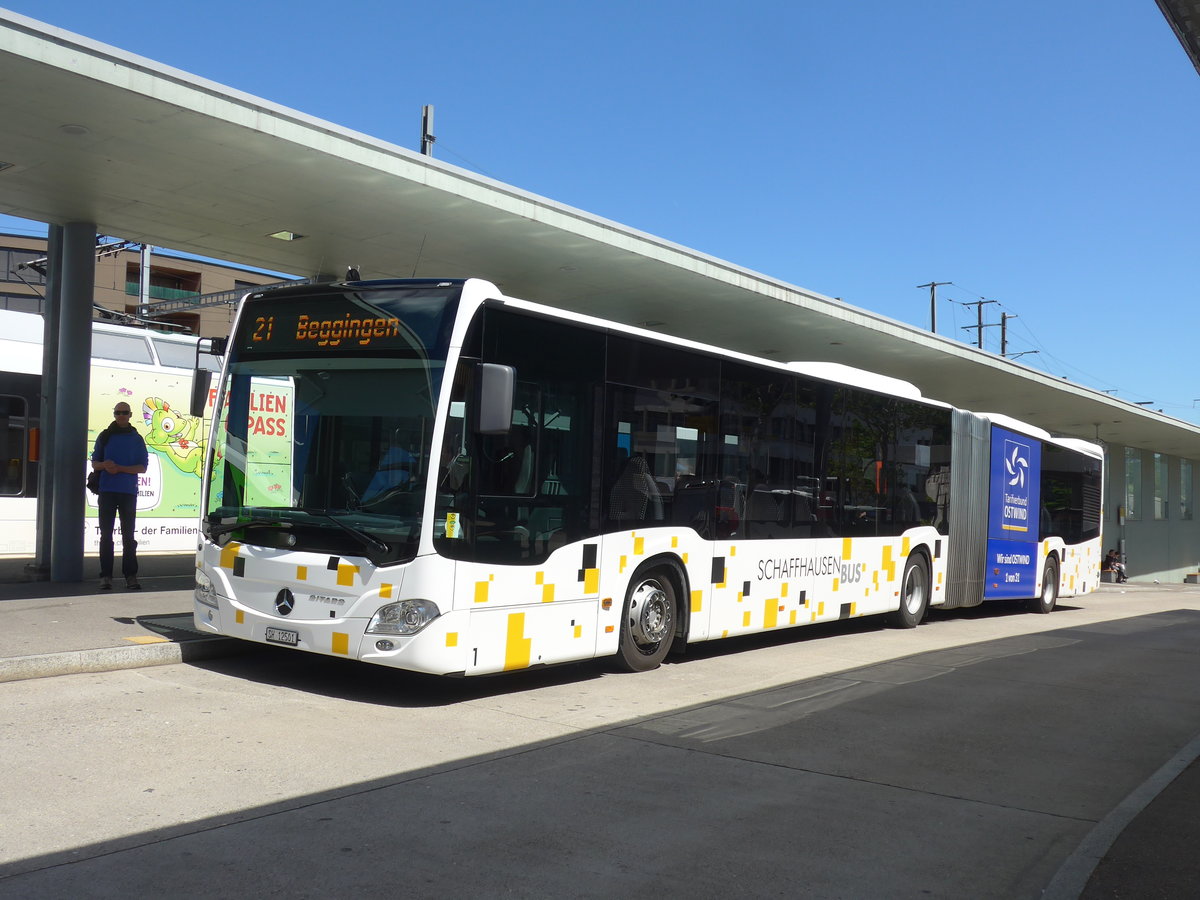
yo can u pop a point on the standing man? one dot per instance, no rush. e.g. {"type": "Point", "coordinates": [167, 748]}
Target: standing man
{"type": "Point", "coordinates": [120, 457]}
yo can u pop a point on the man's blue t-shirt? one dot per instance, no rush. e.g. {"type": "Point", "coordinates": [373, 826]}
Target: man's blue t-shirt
{"type": "Point", "coordinates": [125, 450]}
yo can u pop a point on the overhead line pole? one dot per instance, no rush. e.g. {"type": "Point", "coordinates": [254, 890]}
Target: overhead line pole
{"type": "Point", "coordinates": [1004, 317]}
{"type": "Point", "coordinates": [427, 137]}
{"type": "Point", "coordinates": [933, 286]}
{"type": "Point", "coordinates": [978, 304]}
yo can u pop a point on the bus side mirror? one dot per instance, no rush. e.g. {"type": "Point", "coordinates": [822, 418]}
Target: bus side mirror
{"type": "Point", "coordinates": [494, 398]}
{"type": "Point", "coordinates": [201, 382]}
{"type": "Point", "coordinates": [201, 377]}
{"type": "Point", "coordinates": [214, 345]}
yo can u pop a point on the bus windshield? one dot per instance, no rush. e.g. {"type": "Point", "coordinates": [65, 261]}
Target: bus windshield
{"type": "Point", "coordinates": [323, 441]}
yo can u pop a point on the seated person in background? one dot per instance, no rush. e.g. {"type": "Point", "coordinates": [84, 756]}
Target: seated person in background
{"type": "Point", "coordinates": [1112, 563]}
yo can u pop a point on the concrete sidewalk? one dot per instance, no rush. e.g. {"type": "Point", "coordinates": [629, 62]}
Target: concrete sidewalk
{"type": "Point", "coordinates": [49, 628]}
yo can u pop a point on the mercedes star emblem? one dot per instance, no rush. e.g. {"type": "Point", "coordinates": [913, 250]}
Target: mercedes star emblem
{"type": "Point", "coordinates": [285, 602]}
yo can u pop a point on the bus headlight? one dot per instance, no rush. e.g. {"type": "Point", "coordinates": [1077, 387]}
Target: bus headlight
{"type": "Point", "coordinates": [206, 592]}
{"type": "Point", "coordinates": [403, 617]}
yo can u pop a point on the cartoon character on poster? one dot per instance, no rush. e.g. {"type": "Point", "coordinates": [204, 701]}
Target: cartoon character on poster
{"type": "Point", "coordinates": [174, 435]}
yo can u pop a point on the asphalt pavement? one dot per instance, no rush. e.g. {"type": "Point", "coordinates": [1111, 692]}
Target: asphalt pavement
{"type": "Point", "coordinates": [1145, 847]}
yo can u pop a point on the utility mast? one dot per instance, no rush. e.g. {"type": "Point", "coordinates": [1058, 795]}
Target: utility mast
{"type": "Point", "coordinates": [933, 286]}
{"type": "Point", "coordinates": [978, 329]}
{"type": "Point", "coordinates": [427, 138]}
{"type": "Point", "coordinates": [1004, 317]}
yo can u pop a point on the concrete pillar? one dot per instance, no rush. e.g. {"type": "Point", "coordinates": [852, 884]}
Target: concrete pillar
{"type": "Point", "coordinates": [40, 568]}
{"type": "Point", "coordinates": [74, 380]}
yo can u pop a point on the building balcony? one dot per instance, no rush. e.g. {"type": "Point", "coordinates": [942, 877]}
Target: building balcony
{"type": "Point", "coordinates": [160, 293]}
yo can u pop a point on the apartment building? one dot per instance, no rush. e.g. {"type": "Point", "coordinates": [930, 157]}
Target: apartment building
{"type": "Point", "coordinates": [196, 296]}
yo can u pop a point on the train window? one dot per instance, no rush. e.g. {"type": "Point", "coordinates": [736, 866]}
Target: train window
{"type": "Point", "coordinates": [180, 355]}
{"type": "Point", "coordinates": [13, 445]}
{"type": "Point", "coordinates": [126, 347]}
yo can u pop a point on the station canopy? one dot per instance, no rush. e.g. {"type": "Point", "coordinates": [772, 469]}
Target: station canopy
{"type": "Point", "coordinates": [153, 154]}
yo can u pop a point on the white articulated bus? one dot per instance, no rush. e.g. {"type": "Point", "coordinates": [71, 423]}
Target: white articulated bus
{"type": "Point", "coordinates": [152, 372]}
{"type": "Point", "coordinates": [467, 483]}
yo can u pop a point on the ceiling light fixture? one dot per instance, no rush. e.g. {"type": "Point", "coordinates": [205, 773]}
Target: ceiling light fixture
{"type": "Point", "coordinates": [285, 235]}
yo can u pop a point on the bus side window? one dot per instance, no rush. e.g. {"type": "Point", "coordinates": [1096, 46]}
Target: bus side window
{"type": "Point", "coordinates": [659, 453]}
{"type": "Point", "coordinates": [508, 462]}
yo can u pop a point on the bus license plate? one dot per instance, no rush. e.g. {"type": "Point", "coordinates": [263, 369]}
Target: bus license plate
{"type": "Point", "coordinates": [280, 636]}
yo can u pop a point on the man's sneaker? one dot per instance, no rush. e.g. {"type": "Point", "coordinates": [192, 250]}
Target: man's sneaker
{"type": "Point", "coordinates": [105, 583]}
{"type": "Point", "coordinates": [132, 583]}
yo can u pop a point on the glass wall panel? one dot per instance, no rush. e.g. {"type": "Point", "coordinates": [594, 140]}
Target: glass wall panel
{"type": "Point", "coordinates": [1133, 483]}
{"type": "Point", "coordinates": [1185, 489]}
{"type": "Point", "coordinates": [1161, 501]}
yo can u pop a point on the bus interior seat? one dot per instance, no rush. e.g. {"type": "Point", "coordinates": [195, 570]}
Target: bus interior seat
{"type": "Point", "coordinates": [545, 526]}
{"type": "Point", "coordinates": [634, 495]}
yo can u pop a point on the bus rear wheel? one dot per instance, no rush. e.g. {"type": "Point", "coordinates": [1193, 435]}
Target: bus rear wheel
{"type": "Point", "coordinates": [648, 622]}
{"type": "Point", "coordinates": [914, 594]}
{"type": "Point", "coordinates": [1044, 602]}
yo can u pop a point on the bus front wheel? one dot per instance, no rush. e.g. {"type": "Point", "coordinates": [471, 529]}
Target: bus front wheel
{"type": "Point", "coordinates": [914, 594]}
{"type": "Point", "coordinates": [1044, 602]}
{"type": "Point", "coordinates": [648, 622]}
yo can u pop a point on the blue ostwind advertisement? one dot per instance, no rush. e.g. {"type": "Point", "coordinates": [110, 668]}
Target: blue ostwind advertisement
{"type": "Point", "coordinates": [1013, 515]}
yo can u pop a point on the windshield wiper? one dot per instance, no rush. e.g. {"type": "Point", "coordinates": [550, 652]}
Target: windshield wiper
{"type": "Point", "coordinates": [215, 531]}
{"type": "Point", "coordinates": [367, 540]}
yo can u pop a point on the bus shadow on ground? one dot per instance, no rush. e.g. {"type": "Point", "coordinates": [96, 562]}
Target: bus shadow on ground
{"type": "Point", "coordinates": [346, 679]}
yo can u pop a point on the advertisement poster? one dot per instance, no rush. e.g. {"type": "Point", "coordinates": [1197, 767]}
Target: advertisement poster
{"type": "Point", "coordinates": [268, 458]}
{"type": "Point", "coordinates": [1013, 515]}
{"type": "Point", "coordinates": [168, 492]}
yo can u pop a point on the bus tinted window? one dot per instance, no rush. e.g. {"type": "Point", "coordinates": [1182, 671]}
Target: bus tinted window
{"type": "Point", "coordinates": [1071, 495]}
{"type": "Point", "coordinates": [758, 424]}
{"type": "Point", "coordinates": [659, 366]}
{"type": "Point", "coordinates": [659, 463]}
{"type": "Point", "coordinates": [889, 449]}
{"type": "Point", "coordinates": [533, 488]}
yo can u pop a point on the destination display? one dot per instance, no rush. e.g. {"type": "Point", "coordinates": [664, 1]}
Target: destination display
{"type": "Point", "coordinates": [399, 322]}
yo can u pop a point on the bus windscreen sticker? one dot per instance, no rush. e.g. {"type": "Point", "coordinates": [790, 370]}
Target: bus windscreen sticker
{"type": "Point", "coordinates": [1013, 515]}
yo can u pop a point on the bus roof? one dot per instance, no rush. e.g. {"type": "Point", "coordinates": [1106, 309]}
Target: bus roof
{"type": "Point", "coordinates": [884, 384]}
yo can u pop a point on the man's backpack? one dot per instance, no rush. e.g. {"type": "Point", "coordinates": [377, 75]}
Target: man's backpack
{"type": "Point", "coordinates": [93, 479]}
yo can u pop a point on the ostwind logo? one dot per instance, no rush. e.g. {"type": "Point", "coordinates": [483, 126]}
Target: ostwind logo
{"type": "Point", "coordinates": [1016, 464]}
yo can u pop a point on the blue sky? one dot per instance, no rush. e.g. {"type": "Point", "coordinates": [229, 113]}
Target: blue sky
{"type": "Point", "coordinates": [1038, 154]}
